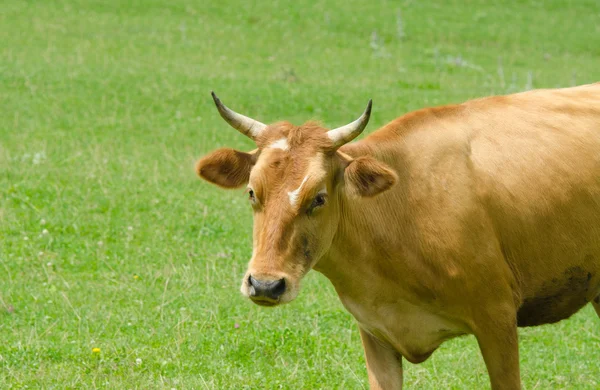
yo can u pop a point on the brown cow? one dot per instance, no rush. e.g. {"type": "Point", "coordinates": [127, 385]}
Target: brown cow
{"type": "Point", "coordinates": [464, 219]}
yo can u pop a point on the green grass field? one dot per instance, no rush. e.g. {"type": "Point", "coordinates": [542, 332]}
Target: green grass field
{"type": "Point", "coordinates": [109, 241]}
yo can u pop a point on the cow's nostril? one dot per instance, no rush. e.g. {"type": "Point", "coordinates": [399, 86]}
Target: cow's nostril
{"type": "Point", "coordinates": [252, 282]}
{"type": "Point", "coordinates": [278, 288]}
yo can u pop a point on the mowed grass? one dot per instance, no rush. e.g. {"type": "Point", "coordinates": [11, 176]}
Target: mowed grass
{"type": "Point", "coordinates": [109, 241]}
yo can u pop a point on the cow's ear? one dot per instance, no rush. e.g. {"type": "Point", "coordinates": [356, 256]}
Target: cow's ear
{"type": "Point", "coordinates": [368, 177]}
{"type": "Point", "coordinates": [227, 168]}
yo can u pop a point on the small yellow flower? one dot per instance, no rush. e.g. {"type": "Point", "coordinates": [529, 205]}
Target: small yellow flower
{"type": "Point", "coordinates": [136, 277]}
{"type": "Point", "coordinates": [96, 350]}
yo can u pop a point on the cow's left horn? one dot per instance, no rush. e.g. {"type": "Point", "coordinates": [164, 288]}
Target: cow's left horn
{"type": "Point", "coordinates": [247, 126]}
{"type": "Point", "coordinates": [345, 134]}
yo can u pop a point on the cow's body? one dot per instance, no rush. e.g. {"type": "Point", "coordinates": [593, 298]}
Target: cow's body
{"type": "Point", "coordinates": [493, 222]}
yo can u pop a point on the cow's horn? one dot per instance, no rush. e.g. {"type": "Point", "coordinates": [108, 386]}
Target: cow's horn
{"type": "Point", "coordinates": [345, 134]}
{"type": "Point", "coordinates": [247, 126]}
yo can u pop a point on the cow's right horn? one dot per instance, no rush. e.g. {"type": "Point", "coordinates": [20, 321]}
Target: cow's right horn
{"type": "Point", "coordinates": [345, 134]}
{"type": "Point", "coordinates": [247, 126]}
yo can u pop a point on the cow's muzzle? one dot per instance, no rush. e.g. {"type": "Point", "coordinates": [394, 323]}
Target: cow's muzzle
{"type": "Point", "coordinates": [266, 292]}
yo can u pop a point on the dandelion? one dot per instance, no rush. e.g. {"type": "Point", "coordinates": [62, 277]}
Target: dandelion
{"type": "Point", "coordinates": [136, 277]}
{"type": "Point", "coordinates": [95, 350]}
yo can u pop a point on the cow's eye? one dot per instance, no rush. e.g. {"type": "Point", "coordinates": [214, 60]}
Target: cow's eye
{"type": "Point", "coordinates": [318, 201]}
{"type": "Point", "coordinates": [251, 196]}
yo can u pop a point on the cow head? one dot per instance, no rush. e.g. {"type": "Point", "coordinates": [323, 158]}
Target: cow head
{"type": "Point", "coordinates": [296, 183]}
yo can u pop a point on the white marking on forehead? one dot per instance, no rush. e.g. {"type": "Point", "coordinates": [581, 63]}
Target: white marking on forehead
{"type": "Point", "coordinates": [294, 194]}
{"type": "Point", "coordinates": [280, 144]}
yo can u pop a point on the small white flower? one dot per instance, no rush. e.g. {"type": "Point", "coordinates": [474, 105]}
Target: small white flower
{"type": "Point", "coordinates": [100, 243]}
{"type": "Point", "coordinates": [41, 254]}
{"type": "Point", "coordinates": [138, 361]}
{"type": "Point", "coordinates": [130, 228]}
{"type": "Point", "coordinates": [38, 158]}
{"type": "Point", "coordinates": [43, 222]}
{"type": "Point", "coordinates": [49, 264]}
{"type": "Point", "coordinates": [45, 231]}
{"type": "Point", "coordinates": [26, 238]}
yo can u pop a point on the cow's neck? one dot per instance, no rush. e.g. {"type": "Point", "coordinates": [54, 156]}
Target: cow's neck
{"type": "Point", "coordinates": [375, 239]}
{"type": "Point", "coordinates": [371, 233]}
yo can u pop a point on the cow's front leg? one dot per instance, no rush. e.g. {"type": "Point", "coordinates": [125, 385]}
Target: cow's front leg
{"type": "Point", "coordinates": [498, 342]}
{"type": "Point", "coordinates": [384, 364]}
